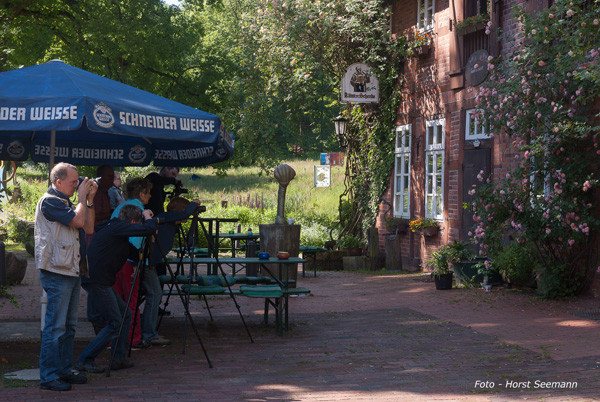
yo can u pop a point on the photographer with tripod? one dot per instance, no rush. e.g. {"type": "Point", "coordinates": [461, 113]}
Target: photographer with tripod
{"type": "Point", "coordinates": [107, 254]}
{"type": "Point", "coordinates": [167, 176]}
{"type": "Point", "coordinates": [178, 210]}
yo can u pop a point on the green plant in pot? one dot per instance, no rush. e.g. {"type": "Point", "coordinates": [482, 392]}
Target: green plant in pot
{"type": "Point", "coordinates": [463, 260]}
{"type": "Point", "coordinates": [352, 243]}
{"type": "Point", "coordinates": [439, 264]}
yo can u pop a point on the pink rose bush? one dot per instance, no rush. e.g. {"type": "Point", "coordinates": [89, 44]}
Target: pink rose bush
{"type": "Point", "coordinates": [542, 97]}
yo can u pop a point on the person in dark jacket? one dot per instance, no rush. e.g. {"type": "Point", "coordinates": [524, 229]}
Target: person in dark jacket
{"type": "Point", "coordinates": [107, 253]}
{"type": "Point", "coordinates": [178, 209]}
{"type": "Point", "coordinates": [167, 176]}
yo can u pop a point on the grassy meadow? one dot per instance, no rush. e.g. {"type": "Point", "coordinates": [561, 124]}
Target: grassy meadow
{"type": "Point", "coordinates": [250, 196]}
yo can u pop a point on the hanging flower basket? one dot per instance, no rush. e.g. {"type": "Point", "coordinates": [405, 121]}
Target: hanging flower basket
{"type": "Point", "coordinates": [422, 50]}
{"type": "Point", "coordinates": [425, 226]}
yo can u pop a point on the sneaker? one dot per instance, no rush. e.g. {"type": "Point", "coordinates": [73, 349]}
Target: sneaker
{"type": "Point", "coordinates": [121, 364]}
{"type": "Point", "coordinates": [160, 341]}
{"type": "Point", "coordinates": [142, 345]}
{"type": "Point", "coordinates": [74, 378]}
{"type": "Point", "coordinates": [56, 385]}
{"type": "Point", "coordinates": [88, 367]}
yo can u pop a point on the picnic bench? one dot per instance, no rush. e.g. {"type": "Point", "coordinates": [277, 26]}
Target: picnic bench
{"type": "Point", "coordinates": [273, 288]}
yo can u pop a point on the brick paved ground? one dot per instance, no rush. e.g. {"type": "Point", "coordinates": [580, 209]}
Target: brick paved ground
{"type": "Point", "coordinates": [359, 337]}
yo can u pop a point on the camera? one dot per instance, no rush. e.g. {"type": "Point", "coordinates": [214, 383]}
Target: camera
{"type": "Point", "coordinates": [178, 190]}
{"type": "Point", "coordinates": [200, 209]}
{"type": "Point", "coordinates": [80, 180]}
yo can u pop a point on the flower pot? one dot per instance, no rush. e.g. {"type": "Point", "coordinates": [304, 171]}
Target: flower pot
{"type": "Point", "coordinates": [429, 231]}
{"type": "Point", "coordinates": [443, 281]}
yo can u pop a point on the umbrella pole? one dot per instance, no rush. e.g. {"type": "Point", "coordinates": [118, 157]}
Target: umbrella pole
{"type": "Point", "coordinates": [52, 147]}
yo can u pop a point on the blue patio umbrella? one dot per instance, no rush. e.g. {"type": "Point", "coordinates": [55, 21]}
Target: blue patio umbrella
{"type": "Point", "coordinates": [54, 112]}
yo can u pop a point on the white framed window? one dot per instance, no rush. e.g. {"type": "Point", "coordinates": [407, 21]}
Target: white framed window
{"type": "Point", "coordinates": [425, 14]}
{"type": "Point", "coordinates": [434, 168]}
{"type": "Point", "coordinates": [474, 129]}
{"type": "Point", "coordinates": [402, 171]}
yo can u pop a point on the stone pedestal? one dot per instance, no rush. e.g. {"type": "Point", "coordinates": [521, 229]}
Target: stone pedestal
{"type": "Point", "coordinates": [281, 237]}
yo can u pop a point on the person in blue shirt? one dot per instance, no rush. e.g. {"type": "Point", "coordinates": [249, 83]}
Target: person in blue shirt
{"type": "Point", "coordinates": [138, 194]}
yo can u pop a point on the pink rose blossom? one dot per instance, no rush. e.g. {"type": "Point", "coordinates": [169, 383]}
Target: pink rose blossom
{"type": "Point", "coordinates": [586, 185]}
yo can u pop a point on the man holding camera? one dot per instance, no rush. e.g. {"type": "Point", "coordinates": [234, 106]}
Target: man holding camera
{"type": "Point", "coordinates": [167, 176]}
{"type": "Point", "coordinates": [60, 258]}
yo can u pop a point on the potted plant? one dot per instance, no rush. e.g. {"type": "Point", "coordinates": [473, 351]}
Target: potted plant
{"type": "Point", "coordinates": [351, 243]}
{"type": "Point", "coordinates": [463, 261]}
{"type": "Point", "coordinates": [395, 225]}
{"type": "Point", "coordinates": [439, 264]}
{"type": "Point", "coordinates": [484, 268]}
{"type": "Point", "coordinates": [420, 44]}
{"type": "Point", "coordinates": [424, 226]}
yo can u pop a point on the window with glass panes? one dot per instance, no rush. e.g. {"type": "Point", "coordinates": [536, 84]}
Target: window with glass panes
{"type": "Point", "coordinates": [402, 172]}
{"type": "Point", "coordinates": [474, 129]}
{"type": "Point", "coordinates": [425, 14]}
{"type": "Point", "coordinates": [434, 169]}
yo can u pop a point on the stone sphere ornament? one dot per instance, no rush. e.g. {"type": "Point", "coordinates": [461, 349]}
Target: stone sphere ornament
{"type": "Point", "coordinates": [283, 174]}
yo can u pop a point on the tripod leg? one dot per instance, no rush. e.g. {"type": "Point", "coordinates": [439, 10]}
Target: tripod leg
{"type": "Point", "coordinates": [207, 307]}
{"type": "Point", "coordinates": [116, 341]}
{"type": "Point", "coordinates": [185, 304]}
{"type": "Point", "coordinates": [220, 268]}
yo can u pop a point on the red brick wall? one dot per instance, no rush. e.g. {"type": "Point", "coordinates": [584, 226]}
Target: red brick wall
{"type": "Point", "coordinates": [427, 94]}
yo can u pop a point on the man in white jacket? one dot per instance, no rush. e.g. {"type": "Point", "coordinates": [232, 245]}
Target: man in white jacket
{"type": "Point", "coordinates": [60, 257]}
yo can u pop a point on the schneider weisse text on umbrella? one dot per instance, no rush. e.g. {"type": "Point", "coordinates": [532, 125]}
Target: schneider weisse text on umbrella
{"type": "Point", "coordinates": [165, 122]}
{"type": "Point", "coordinates": [39, 113]}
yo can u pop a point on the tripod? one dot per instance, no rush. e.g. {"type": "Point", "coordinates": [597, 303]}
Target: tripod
{"type": "Point", "coordinates": [189, 250]}
{"type": "Point", "coordinates": [144, 254]}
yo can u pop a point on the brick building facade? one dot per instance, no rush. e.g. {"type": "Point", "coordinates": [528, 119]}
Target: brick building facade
{"type": "Point", "coordinates": [440, 147]}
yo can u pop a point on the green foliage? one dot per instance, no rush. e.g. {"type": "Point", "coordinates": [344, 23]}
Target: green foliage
{"type": "Point", "coordinates": [349, 241]}
{"type": "Point", "coordinates": [559, 281]}
{"type": "Point", "coordinates": [6, 293]}
{"type": "Point", "coordinates": [516, 261]}
{"type": "Point", "coordinates": [470, 21]}
{"type": "Point", "coordinates": [541, 96]}
{"type": "Point", "coordinates": [459, 251]}
{"type": "Point", "coordinates": [439, 261]}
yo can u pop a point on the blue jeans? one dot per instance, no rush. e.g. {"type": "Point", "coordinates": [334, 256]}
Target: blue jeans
{"type": "Point", "coordinates": [153, 290]}
{"type": "Point", "coordinates": [106, 303]}
{"type": "Point", "coordinates": [56, 354]}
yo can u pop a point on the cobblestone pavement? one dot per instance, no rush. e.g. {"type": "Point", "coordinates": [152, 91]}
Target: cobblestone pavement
{"type": "Point", "coordinates": [357, 337]}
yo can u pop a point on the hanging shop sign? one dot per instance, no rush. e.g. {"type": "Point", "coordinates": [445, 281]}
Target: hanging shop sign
{"type": "Point", "coordinates": [360, 85]}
